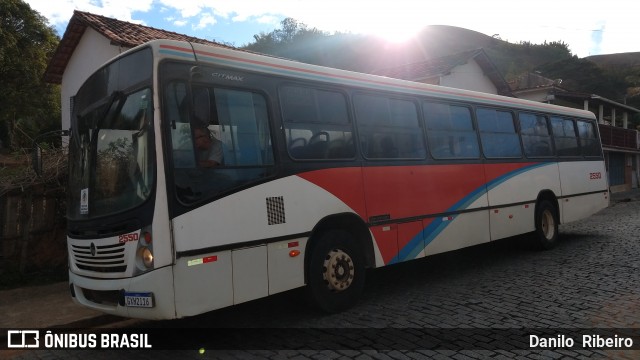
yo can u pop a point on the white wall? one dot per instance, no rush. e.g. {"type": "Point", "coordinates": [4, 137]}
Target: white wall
{"type": "Point", "coordinates": [539, 95]}
{"type": "Point", "coordinates": [469, 77]}
{"type": "Point", "coordinates": [92, 51]}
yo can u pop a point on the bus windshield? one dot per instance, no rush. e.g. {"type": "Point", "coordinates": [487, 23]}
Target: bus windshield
{"type": "Point", "coordinates": [111, 168]}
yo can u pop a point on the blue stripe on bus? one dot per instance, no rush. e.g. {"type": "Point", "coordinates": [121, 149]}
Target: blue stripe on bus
{"type": "Point", "coordinates": [419, 241]}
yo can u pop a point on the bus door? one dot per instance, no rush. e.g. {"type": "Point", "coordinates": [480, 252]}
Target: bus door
{"type": "Point", "coordinates": [508, 178]}
{"type": "Point", "coordinates": [220, 143]}
{"type": "Point", "coordinates": [392, 204]}
{"type": "Point", "coordinates": [391, 138]}
{"type": "Point", "coordinates": [455, 183]}
{"type": "Point", "coordinates": [456, 201]}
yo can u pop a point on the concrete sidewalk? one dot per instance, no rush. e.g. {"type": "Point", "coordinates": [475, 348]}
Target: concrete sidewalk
{"type": "Point", "coordinates": [624, 196]}
{"type": "Point", "coordinates": [50, 306]}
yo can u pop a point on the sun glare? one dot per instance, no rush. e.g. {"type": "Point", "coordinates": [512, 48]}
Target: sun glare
{"type": "Point", "coordinates": [396, 34]}
{"type": "Point", "coordinates": [394, 29]}
{"type": "Point", "coordinates": [394, 21]}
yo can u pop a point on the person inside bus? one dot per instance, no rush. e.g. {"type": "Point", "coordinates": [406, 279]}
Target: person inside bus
{"type": "Point", "coordinates": [208, 149]}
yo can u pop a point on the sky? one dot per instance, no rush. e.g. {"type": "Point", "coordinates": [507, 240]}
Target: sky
{"type": "Point", "coordinates": [588, 27]}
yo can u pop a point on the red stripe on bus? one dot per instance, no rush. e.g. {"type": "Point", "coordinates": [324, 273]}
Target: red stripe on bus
{"type": "Point", "coordinates": [404, 192]}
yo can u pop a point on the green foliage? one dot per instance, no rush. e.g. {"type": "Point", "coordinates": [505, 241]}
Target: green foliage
{"type": "Point", "coordinates": [279, 42]}
{"type": "Point", "coordinates": [28, 106]}
{"type": "Point", "coordinates": [515, 59]}
{"type": "Point", "coordinates": [117, 150]}
{"type": "Point", "coordinates": [584, 75]}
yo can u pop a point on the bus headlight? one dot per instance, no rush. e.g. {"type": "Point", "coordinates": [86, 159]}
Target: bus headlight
{"type": "Point", "coordinates": [144, 254]}
{"type": "Point", "coordinates": [145, 257]}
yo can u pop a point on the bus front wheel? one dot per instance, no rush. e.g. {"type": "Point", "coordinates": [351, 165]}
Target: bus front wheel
{"type": "Point", "coordinates": [336, 271]}
{"type": "Point", "coordinates": [546, 225]}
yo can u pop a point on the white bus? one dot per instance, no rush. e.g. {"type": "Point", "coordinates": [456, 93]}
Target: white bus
{"type": "Point", "coordinates": [203, 177]}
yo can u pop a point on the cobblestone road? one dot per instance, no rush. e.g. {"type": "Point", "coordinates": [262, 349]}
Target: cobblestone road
{"type": "Point", "coordinates": [590, 281]}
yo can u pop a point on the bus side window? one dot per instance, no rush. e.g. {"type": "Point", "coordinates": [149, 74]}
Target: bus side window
{"type": "Point", "coordinates": [564, 136]}
{"type": "Point", "coordinates": [317, 124]}
{"type": "Point", "coordinates": [177, 113]}
{"type": "Point", "coordinates": [588, 139]}
{"type": "Point", "coordinates": [389, 128]}
{"type": "Point", "coordinates": [535, 135]}
{"type": "Point", "coordinates": [498, 134]}
{"type": "Point", "coordinates": [450, 131]}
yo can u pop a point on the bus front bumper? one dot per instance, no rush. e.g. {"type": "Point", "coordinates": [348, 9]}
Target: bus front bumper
{"type": "Point", "coordinates": [147, 296]}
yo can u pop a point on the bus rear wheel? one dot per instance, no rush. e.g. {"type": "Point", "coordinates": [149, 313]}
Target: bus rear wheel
{"type": "Point", "coordinates": [336, 272]}
{"type": "Point", "coordinates": [546, 220]}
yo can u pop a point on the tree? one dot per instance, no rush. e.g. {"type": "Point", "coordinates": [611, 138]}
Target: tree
{"type": "Point", "coordinates": [280, 40]}
{"type": "Point", "coordinates": [584, 75]}
{"type": "Point", "coordinates": [28, 106]}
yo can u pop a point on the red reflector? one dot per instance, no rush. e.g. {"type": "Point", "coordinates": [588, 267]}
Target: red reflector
{"type": "Point", "coordinates": [294, 253]}
{"type": "Point", "coordinates": [147, 237]}
{"type": "Point", "coordinates": [293, 244]}
{"type": "Point", "coordinates": [526, 206]}
{"type": "Point", "coordinates": [210, 259]}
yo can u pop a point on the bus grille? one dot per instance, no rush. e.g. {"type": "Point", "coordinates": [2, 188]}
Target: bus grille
{"type": "Point", "coordinates": [100, 258]}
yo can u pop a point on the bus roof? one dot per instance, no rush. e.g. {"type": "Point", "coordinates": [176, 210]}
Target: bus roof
{"type": "Point", "coordinates": [249, 61]}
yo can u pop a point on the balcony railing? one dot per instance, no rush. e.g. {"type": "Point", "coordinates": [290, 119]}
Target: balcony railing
{"type": "Point", "coordinates": [618, 137]}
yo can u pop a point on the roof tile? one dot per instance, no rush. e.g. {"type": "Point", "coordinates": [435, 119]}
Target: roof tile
{"type": "Point", "coordinates": [119, 32]}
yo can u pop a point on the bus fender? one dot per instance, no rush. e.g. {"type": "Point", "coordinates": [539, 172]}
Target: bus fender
{"type": "Point", "coordinates": [344, 221]}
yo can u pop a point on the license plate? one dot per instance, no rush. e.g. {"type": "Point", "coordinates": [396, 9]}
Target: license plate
{"type": "Point", "coordinates": [144, 300]}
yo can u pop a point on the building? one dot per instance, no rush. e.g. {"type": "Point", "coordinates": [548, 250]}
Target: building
{"type": "Point", "coordinates": [621, 144]}
{"type": "Point", "coordinates": [89, 42]}
{"type": "Point", "coordinates": [470, 70]}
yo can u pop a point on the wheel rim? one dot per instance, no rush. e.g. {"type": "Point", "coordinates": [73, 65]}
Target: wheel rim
{"type": "Point", "coordinates": [338, 271]}
{"type": "Point", "coordinates": [548, 225]}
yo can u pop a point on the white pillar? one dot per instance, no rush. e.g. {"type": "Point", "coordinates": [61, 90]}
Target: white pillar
{"type": "Point", "coordinates": [601, 114]}
{"type": "Point", "coordinates": [586, 105]}
{"type": "Point", "coordinates": [625, 119]}
{"type": "Point", "coordinates": [613, 116]}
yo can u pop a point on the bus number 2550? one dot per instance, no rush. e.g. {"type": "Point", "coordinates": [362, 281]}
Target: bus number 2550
{"type": "Point", "coordinates": [128, 237]}
{"type": "Point", "coordinates": [595, 175]}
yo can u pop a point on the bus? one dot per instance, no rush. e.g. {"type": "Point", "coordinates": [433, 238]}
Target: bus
{"type": "Point", "coordinates": [202, 177]}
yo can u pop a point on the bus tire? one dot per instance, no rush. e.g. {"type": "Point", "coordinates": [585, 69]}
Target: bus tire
{"type": "Point", "coordinates": [546, 219]}
{"type": "Point", "coordinates": [336, 271]}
